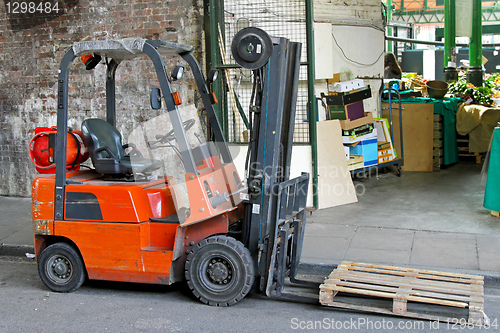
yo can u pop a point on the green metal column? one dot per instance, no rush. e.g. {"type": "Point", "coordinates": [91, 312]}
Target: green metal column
{"type": "Point", "coordinates": [389, 29]}
{"type": "Point", "coordinates": [475, 72]}
{"type": "Point", "coordinates": [450, 47]}
{"type": "Point", "coordinates": [311, 102]}
{"type": "Point", "coordinates": [213, 19]}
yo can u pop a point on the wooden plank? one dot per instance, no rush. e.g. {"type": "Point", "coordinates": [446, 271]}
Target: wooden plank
{"type": "Point", "coordinates": [410, 291]}
{"type": "Point", "coordinates": [397, 281]}
{"type": "Point", "coordinates": [390, 295]}
{"type": "Point", "coordinates": [397, 276]}
{"type": "Point", "coordinates": [353, 265]}
{"type": "Point", "coordinates": [409, 314]}
{"type": "Point", "coordinates": [416, 273]}
{"type": "Point", "coordinates": [409, 269]}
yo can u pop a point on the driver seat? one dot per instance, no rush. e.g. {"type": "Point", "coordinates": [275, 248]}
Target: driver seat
{"type": "Point", "coordinates": [107, 152]}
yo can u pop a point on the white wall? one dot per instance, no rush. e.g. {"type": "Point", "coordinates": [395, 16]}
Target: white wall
{"type": "Point", "coordinates": [349, 39]}
{"type": "Point", "coordinates": [301, 162]}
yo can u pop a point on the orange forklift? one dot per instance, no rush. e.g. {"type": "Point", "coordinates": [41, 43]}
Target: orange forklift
{"type": "Point", "coordinates": [168, 205]}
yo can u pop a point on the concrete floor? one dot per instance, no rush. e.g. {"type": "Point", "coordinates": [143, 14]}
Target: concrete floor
{"type": "Point", "coordinates": [433, 220]}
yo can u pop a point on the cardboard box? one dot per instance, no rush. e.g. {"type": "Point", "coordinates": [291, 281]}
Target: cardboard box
{"type": "Point", "coordinates": [355, 162]}
{"type": "Point", "coordinates": [351, 111]}
{"type": "Point", "coordinates": [358, 131]}
{"type": "Point", "coordinates": [349, 123]}
{"type": "Point", "coordinates": [367, 148]}
{"type": "Point", "coordinates": [349, 140]}
{"type": "Point", "coordinates": [335, 78]}
{"type": "Point", "coordinates": [346, 85]}
{"type": "Point", "coordinates": [383, 145]}
{"type": "Point", "coordinates": [385, 154]}
{"type": "Point", "coordinates": [384, 141]}
{"type": "Point", "coordinates": [344, 98]}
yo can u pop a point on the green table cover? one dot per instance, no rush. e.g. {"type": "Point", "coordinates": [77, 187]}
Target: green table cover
{"type": "Point", "coordinates": [447, 107]}
{"type": "Point", "coordinates": [492, 190]}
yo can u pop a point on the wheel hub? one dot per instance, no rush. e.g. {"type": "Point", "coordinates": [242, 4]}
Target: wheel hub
{"type": "Point", "coordinates": [219, 271]}
{"type": "Point", "coordinates": [60, 268]}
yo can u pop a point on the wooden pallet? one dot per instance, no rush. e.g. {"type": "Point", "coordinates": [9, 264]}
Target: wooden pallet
{"type": "Point", "coordinates": [495, 214]}
{"type": "Point", "coordinates": [407, 292]}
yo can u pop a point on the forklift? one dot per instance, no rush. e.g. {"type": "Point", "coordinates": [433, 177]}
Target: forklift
{"type": "Point", "coordinates": [173, 207]}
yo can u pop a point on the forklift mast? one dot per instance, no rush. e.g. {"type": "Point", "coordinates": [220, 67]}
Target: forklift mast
{"type": "Point", "coordinates": [275, 215]}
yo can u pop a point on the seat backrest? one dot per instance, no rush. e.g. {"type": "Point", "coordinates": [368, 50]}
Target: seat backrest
{"type": "Point", "coordinates": [99, 133]}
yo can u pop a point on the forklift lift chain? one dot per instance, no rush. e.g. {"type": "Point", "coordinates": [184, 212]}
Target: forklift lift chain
{"type": "Point", "coordinates": [219, 271]}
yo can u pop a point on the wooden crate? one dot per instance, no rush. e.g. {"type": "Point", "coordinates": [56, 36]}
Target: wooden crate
{"type": "Point", "coordinates": [407, 292]}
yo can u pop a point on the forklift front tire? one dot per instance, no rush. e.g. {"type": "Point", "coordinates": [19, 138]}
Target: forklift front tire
{"type": "Point", "coordinates": [61, 268]}
{"type": "Point", "coordinates": [219, 271]}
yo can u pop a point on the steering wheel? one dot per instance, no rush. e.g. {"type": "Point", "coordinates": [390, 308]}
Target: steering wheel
{"type": "Point", "coordinates": [170, 135]}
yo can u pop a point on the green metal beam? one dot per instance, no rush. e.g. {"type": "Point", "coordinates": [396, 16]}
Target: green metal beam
{"type": "Point", "coordinates": [476, 41]}
{"type": "Point", "coordinates": [389, 46]}
{"type": "Point", "coordinates": [449, 33]}
{"type": "Point", "coordinates": [215, 12]}
{"type": "Point", "coordinates": [475, 71]}
{"type": "Point", "coordinates": [311, 102]}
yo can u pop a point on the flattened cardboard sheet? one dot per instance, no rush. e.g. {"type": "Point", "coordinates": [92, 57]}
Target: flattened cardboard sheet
{"type": "Point", "coordinates": [335, 185]}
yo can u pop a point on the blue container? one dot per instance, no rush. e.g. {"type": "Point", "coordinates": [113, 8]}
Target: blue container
{"type": "Point", "coordinates": [367, 148]}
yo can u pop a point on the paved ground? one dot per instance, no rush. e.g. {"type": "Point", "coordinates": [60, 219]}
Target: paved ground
{"type": "Point", "coordinates": [125, 307]}
{"type": "Point", "coordinates": [431, 220]}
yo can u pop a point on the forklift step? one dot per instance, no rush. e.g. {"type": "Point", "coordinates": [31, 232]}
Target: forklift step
{"type": "Point", "coordinates": [407, 292]}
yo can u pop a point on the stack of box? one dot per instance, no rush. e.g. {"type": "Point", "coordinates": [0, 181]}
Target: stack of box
{"type": "Point", "coordinates": [345, 102]}
{"type": "Point", "coordinates": [345, 99]}
{"type": "Point", "coordinates": [386, 151]}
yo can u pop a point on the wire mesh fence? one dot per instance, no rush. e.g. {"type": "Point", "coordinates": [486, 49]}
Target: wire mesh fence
{"type": "Point", "coordinates": [278, 18]}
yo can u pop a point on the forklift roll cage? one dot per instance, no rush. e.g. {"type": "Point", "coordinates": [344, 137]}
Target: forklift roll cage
{"type": "Point", "coordinates": [118, 51]}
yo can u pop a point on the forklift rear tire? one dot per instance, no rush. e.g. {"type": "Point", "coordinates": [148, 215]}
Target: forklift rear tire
{"type": "Point", "coordinates": [219, 271]}
{"type": "Point", "coordinates": [61, 268]}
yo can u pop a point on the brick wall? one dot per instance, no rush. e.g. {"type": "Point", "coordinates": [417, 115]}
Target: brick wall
{"type": "Point", "coordinates": [31, 47]}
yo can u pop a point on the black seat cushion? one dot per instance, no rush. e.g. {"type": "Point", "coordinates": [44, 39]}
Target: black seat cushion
{"type": "Point", "coordinates": [107, 151]}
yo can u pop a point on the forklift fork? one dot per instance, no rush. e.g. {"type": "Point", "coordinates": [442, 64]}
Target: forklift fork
{"type": "Point", "coordinates": [288, 235]}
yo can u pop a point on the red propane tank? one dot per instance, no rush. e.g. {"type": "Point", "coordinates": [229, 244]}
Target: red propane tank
{"type": "Point", "coordinates": [42, 153]}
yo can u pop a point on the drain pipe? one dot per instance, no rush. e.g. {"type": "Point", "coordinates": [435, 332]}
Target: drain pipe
{"type": "Point", "coordinates": [311, 82]}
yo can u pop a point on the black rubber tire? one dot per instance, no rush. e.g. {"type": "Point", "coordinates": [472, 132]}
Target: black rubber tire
{"type": "Point", "coordinates": [61, 268]}
{"type": "Point", "coordinates": [398, 171]}
{"type": "Point", "coordinates": [219, 271]}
